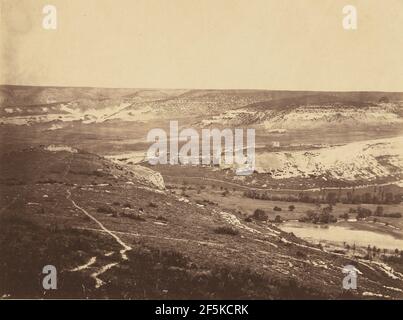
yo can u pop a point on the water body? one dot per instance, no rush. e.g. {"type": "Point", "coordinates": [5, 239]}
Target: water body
{"type": "Point", "coordinates": [340, 234]}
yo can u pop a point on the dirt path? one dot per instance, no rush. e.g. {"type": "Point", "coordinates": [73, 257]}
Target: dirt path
{"type": "Point", "coordinates": [277, 189]}
{"type": "Point", "coordinates": [104, 268]}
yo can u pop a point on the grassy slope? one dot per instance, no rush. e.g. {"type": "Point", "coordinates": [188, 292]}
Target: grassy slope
{"type": "Point", "coordinates": [176, 253]}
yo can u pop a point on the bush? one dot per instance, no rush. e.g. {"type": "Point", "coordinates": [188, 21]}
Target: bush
{"type": "Point", "coordinates": [393, 215]}
{"type": "Point", "coordinates": [364, 211]}
{"type": "Point", "coordinates": [344, 216]}
{"type": "Point", "coordinates": [314, 217]}
{"type": "Point", "coordinates": [278, 219]}
{"type": "Point", "coordinates": [136, 217]}
{"type": "Point", "coordinates": [277, 208]}
{"type": "Point", "coordinates": [226, 230]}
{"type": "Point", "coordinates": [153, 205]}
{"type": "Point", "coordinates": [379, 211]}
{"type": "Point", "coordinates": [301, 254]}
{"type": "Point", "coordinates": [260, 214]}
{"type": "Point", "coordinates": [106, 209]}
{"type": "Point", "coordinates": [291, 207]}
{"type": "Point", "coordinates": [133, 216]}
{"type": "Point", "coordinates": [327, 218]}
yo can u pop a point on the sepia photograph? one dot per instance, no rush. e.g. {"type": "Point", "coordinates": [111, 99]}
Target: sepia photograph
{"type": "Point", "coordinates": [201, 150]}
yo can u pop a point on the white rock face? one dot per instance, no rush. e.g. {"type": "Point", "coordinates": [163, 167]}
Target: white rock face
{"type": "Point", "coordinates": [358, 160]}
{"type": "Point", "coordinates": [319, 116]}
{"type": "Point", "coordinates": [129, 157]}
{"type": "Point", "coordinates": [148, 176]}
{"type": "Point", "coordinates": [310, 116]}
{"type": "Point", "coordinates": [57, 148]}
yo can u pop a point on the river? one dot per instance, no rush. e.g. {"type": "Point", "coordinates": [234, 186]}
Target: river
{"type": "Point", "coordinates": [340, 234]}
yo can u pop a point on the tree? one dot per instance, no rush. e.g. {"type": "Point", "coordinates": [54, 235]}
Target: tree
{"type": "Point", "coordinates": [389, 198]}
{"type": "Point", "coordinates": [331, 198]}
{"type": "Point", "coordinates": [291, 207]}
{"type": "Point", "coordinates": [384, 99]}
{"type": "Point", "coordinates": [278, 219]}
{"type": "Point", "coordinates": [379, 211]}
{"type": "Point", "coordinates": [345, 216]}
{"type": "Point", "coordinates": [367, 198]}
{"type": "Point", "coordinates": [260, 214]}
{"type": "Point", "coordinates": [328, 209]}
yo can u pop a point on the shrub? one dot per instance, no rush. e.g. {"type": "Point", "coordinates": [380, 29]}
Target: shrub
{"type": "Point", "coordinates": [301, 254]}
{"type": "Point", "coordinates": [291, 207]}
{"type": "Point", "coordinates": [260, 214]}
{"type": "Point", "coordinates": [393, 215]}
{"type": "Point", "coordinates": [277, 208]}
{"type": "Point", "coordinates": [364, 211]}
{"type": "Point", "coordinates": [326, 218]}
{"type": "Point", "coordinates": [153, 205]}
{"type": "Point", "coordinates": [136, 217]}
{"type": "Point", "coordinates": [278, 219]}
{"type": "Point", "coordinates": [133, 216]}
{"type": "Point", "coordinates": [379, 211]}
{"type": "Point", "coordinates": [226, 230]}
{"type": "Point", "coordinates": [105, 209]}
{"type": "Point", "coordinates": [344, 216]}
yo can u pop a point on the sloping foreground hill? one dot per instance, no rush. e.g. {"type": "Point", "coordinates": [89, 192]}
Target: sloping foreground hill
{"type": "Point", "coordinates": [111, 235]}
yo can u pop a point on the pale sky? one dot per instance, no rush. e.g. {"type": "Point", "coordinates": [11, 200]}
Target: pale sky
{"type": "Point", "coordinates": [239, 44]}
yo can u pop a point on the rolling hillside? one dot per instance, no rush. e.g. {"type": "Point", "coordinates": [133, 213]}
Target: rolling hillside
{"type": "Point", "coordinates": [313, 111]}
{"type": "Point", "coordinates": [111, 234]}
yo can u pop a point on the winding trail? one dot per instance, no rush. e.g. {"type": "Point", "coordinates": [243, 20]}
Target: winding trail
{"type": "Point", "coordinates": [242, 186]}
{"type": "Point", "coordinates": [86, 265]}
{"type": "Point", "coordinates": [104, 268]}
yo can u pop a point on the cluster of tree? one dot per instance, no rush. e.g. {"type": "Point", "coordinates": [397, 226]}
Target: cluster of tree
{"type": "Point", "coordinates": [319, 217]}
{"type": "Point", "coordinates": [373, 252]}
{"type": "Point", "coordinates": [330, 197]}
{"type": "Point", "coordinates": [260, 215]}
{"type": "Point", "coordinates": [396, 258]}
{"type": "Point", "coordinates": [374, 198]}
{"type": "Point", "coordinates": [253, 194]}
{"type": "Point", "coordinates": [363, 213]}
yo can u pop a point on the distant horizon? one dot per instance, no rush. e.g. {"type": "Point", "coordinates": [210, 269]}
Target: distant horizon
{"type": "Point", "coordinates": [200, 89]}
